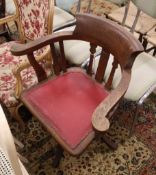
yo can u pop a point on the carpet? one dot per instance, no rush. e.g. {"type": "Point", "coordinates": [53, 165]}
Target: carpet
{"type": "Point", "coordinates": [134, 156]}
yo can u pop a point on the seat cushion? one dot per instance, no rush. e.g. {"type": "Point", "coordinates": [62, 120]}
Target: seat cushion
{"type": "Point", "coordinates": [7, 79]}
{"type": "Point", "coordinates": [143, 75]}
{"type": "Point", "coordinates": [10, 7]}
{"type": "Point", "coordinates": [98, 7]}
{"type": "Point", "coordinates": [61, 18]}
{"type": "Point", "coordinates": [65, 105]}
{"type": "Point", "coordinates": [144, 23]}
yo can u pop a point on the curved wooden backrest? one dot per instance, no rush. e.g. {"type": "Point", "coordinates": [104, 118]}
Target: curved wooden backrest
{"type": "Point", "coordinates": [109, 35]}
{"type": "Point", "coordinates": [35, 18]}
{"type": "Point", "coordinates": [147, 6]}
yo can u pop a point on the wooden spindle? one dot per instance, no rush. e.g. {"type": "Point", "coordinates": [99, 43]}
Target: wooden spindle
{"type": "Point", "coordinates": [56, 65]}
{"type": "Point", "coordinates": [89, 6]}
{"type": "Point", "coordinates": [108, 85]}
{"type": "Point", "coordinates": [41, 75]}
{"type": "Point", "coordinates": [102, 66]}
{"type": "Point", "coordinates": [92, 52]}
{"type": "Point", "coordinates": [63, 60]}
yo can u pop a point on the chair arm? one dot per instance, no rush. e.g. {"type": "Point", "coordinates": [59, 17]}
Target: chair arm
{"type": "Point", "coordinates": [25, 49]}
{"type": "Point", "coordinates": [99, 120]}
{"type": "Point", "coordinates": [8, 19]}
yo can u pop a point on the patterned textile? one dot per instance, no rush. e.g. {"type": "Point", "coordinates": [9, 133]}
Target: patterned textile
{"type": "Point", "coordinates": [7, 79]}
{"type": "Point", "coordinates": [33, 14]}
{"type": "Point", "coordinates": [5, 165]}
{"type": "Point", "coordinates": [98, 7]}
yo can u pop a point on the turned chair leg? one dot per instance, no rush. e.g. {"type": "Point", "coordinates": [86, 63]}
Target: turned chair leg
{"type": "Point", "coordinates": [110, 143]}
{"type": "Point", "coordinates": [134, 120]}
{"type": "Point", "coordinates": [58, 154]}
{"type": "Point", "coordinates": [154, 53]}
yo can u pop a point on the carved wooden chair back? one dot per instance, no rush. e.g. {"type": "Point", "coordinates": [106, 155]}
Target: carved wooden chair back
{"type": "Point", "coordinates": [34, 18]}
{"type": "Point", "coordinates": [114, 44]}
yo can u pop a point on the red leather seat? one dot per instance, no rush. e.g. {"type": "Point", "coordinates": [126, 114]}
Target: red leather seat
{"type": "Point", "coordinates": [66, 104]}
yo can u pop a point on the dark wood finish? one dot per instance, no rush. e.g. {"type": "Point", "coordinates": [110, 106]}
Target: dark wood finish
{"type": "Point", "coordinates": [41, 75]}
{"type": "Point", "coordinates": [2, 8]}
{"type": "Point", "coordinates": [63, 59]}
{"type": "Point", "coordinates": [102, 66]}
{"type": "Point", "coordinates": [99, 32]}
{"type": "Point", "coordinates": [108, 85]}
{"type": "Point", "coordinates": [56, 65]}
{"type": "Point", "coordinates": [92, 52]}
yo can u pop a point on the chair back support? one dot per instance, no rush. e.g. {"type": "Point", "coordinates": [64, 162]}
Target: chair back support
{"type": "Point", "coordinates": [148, 7]}
{"type": "Point", "coordinates": [88, 8]}
{"type": "Point", "coordinates": [98, 32]}
{"type": "Point", "coordinates": [107, 34]}
{"type": "Point", "coordinates": [35, 18]}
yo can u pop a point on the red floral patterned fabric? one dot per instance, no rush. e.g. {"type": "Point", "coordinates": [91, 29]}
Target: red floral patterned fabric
{"type": "Point", "coordinates": [7, 79]}
{"type": "Point", "coordinates": [33, 14]}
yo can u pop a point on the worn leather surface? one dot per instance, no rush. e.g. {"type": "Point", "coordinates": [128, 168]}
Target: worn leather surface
{"type": "Point", "coordinates": [66, 104]}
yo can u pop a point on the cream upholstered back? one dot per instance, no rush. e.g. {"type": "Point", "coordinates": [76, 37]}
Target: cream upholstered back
{"type": "Point", "coordinates": [147, 6]}
{"type": "Point", "coordinates": [7, 146]}
{"type": "Point", "coordinates": [35, 18]}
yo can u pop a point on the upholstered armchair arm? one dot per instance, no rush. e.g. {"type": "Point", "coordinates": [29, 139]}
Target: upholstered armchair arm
{"type": "Point", "coordinates": [25, 65]}
{"type": "Point", "coordinates": [100, 117]}
{"type": "Point", "coordinates": [8, 19]}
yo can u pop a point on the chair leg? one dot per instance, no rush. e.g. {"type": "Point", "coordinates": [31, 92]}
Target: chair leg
{"type": "Point", "coordinates": [110, 143]}
{"type": "Point", "coordinates": [140, 37]}
{"type": "Point", "coordinates": [58, 154]}
{"type": "Point", "coordinates": [154, 53]}
{"type": "Point", "coordinates": [134, 120]}
{"type": "Point", "coordinates": [145, 43]}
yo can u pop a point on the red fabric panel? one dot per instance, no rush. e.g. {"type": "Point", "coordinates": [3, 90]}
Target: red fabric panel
{"type": "Point", "coordinates": [67, 104]}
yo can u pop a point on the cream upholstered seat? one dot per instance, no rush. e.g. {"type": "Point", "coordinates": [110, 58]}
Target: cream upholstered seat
{"type": "Point", "coordinates": [79, 50]}
{"type": "Point", "coordinates": [62, 18]}
{"type": "Point", "coordinates": [9, 161]}
{"type": "Point", "coordinates": [10, 7]}
{"type": "Point", "coordinates": [145, 19]}
{"type": "Point", "coordinates": [143, 76]}
{"type": "Point", "coordinates": [98, 7]}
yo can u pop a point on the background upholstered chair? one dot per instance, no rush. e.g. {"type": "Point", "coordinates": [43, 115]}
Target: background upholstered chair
{"type": "Point", "coordinates": [74, 104]}
{"type": "Point", "coordinates": [138, 15]}
{"type": "Point", "coordinates": [9, 161]}
{"type": "Point", "coordinates": [34, 21]}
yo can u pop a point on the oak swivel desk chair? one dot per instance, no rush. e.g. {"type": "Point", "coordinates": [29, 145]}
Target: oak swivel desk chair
{"type": "Point", "coordinates": [73, 104]}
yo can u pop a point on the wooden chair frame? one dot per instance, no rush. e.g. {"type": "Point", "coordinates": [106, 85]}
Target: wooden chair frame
{"type": "Point", "coordinates": [87, 32]}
